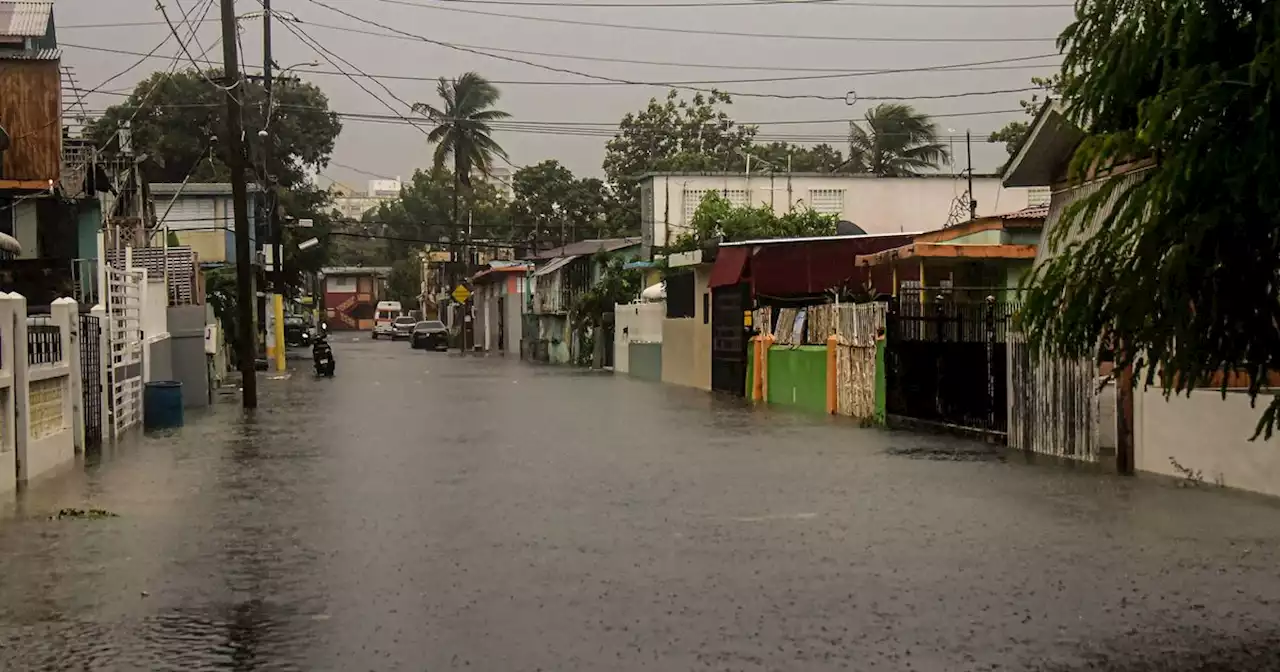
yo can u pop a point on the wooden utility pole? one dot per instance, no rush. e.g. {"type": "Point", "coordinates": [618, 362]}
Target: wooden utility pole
{"type": "Point", "coordinates": [239, 194]}
{"type": "Point", "coordinates": [973, 201]}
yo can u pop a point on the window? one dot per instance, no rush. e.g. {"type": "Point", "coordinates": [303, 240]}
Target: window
{"type": "Point", "coordinates": [693, 198]}
{"type": "Point", "coordinates": [1038, 197]}
{"type": "Point", "coordinates": [827, 201]}
{"type": "Point", "coordinates": [342, 283]}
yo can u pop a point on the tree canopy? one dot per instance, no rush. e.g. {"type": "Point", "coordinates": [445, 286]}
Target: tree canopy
{"type": "Point", "coordinates": [552, 207]}
{"type": "Point", "coordinates": [896, 142]}
{"type": "Point", "coordinates": [1180, 267]}
{"type": "Point", "coordinates": [716, 217]}
{"type": "Point", "coordinates": [176, 118]}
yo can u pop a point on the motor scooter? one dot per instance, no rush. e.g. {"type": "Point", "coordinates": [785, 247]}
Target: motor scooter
{"type": "Point", "coordinates": [321, 353]}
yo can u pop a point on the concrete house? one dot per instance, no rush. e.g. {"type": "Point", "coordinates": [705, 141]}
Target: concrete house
{"type": "Point", "coordinates": [202, 218]}
{"type": "Point", "coordinates": [560, 275]}
{"type": "Point", "coordinates": [498, 294]}
{"type": "Point", "coordinates": [873, 204]}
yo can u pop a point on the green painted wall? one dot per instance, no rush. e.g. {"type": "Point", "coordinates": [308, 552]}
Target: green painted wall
{"type": "Point", "coordinates": [881, 383]}
{"type": "Point", "coordinates": [645, 361]}
{"type": "Point", "coordinates": [798, 377]}
{"type": "Point", "coordinates": [1024, 236]}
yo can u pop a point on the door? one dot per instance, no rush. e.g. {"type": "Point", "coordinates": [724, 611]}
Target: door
{"type": "Point", "coordinates": [729, 339]}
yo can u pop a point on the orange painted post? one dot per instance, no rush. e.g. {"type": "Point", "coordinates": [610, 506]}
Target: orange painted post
{"type": "Point", "coordinates": [757, 375]}
{"type": "Point", "coordinates": [764, 368]}
{"type": "Point", "coordinates": [831, 375]}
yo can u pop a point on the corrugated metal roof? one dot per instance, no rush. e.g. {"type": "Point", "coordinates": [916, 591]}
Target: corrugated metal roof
{"type": "Point", "coordinates": [197, 188]}
{"type": "Point", "coordinates": [1029, 212]}
{"type": "Point", "coordinates": [24, 19]}
{"type": "Point", "coordinates": [588, 247]}
{"type": "Point", "coordinates": [554, 266]}
{"type": "Point", "coordinates": [37, 55]}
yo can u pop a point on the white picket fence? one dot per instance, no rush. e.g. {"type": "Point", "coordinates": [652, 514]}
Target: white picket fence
{"type": "Point", "coordinates": [40, 389]}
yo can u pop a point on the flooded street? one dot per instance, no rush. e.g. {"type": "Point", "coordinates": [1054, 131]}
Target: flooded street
{"type": "Point", "coordinates": [424, 511]}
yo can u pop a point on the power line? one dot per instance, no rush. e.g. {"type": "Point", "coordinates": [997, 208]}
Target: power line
{"type": "Point", "coordinates": [587, 75]}
{"type": "Point", "coordinates": [545, 54]}
{"type": "Point", "coordinates": [839, 74]}
{"type": "Point", "coordinates": [718, 33]}
{"type": "Point", "coordinates": [758, 3]}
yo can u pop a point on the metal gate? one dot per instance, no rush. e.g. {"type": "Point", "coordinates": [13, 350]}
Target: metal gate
{"type": "Point", "coordinates": [947, 363]}
{"type": "Point", "coordinates": [729, 338]}
{"type": "Point", "coordinates": [124, 333]}
{"type": "Point", "coordinates": [1054, 405]}
{"type": "Point", "coordinates": [91, 377]}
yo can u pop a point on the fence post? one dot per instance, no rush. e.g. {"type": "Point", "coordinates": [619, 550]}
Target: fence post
{"type": "Point", "coordinates": [21, 389]}
{"type": "Point", "coordinates": [104, 368]}
{"type": "Point", "coordinates": [8, 437]}
{"type": "Point", "coordinates": [832, 403]}
{"type": "Point", "coordinates": [989, 321]}
{"type": "Point", "coordinates": [66, 314]}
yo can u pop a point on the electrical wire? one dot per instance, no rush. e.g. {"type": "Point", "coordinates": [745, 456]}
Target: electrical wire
{"type": "Point", "coordinates": [718, 33]}
{"type": "Point", "coordinates": [841, 74]}
{"type": "Point", "coordinates": [320, 49]}
{"type": "Point", "coordinates": [756, 3]}
{"type": "Point", "coordinates": [581, 57]}
{"type": "Point", "coordinates": [183, 45]}
{"type": "Point", "coordinates": [781, 96]}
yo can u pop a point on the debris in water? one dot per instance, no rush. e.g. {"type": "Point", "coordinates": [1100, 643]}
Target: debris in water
{"type": "Point", "coordinates": [83, 513]}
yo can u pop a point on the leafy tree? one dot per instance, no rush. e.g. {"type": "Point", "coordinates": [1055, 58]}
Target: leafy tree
{"type": "Point", "coordinates": [462, 132]}
{"type": "Point", "coordinates": [616, 285]}
{"type": "Point", "coordinates": [821, 158]}
{"type": "Point", "coordinates": [897, 142]}
{"type": "Point", "coordinates": [552, 207]}
{"type": "Point", "coordinates": [675, 134]}
{"type": "Point", "coordinates": [175, 119]}
{"type": "Point", "coordinates": [1012, 133]}
{"type": "Point", "coordinates": [716, 217]}
{"type": "Point", "coordinates": [1179, 266]}
{"type": "Point", "coordinates": [405, 282]}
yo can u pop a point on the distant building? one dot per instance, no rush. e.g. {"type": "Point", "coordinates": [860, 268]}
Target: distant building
{"type": "Point", "coordinates": [353, 204]}
{"type": "Point", "coordinates": [874, 204]}
{"type": "Point", "coordinates": [500, 179]}
{"type": "Point", "coordinates": [351, 295]}
{"type": "Point", "coordinates": [200, 215]}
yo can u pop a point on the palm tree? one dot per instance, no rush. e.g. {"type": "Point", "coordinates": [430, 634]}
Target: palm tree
{"type": "Point", "coordinates": [462, 130]}
{"type": "Point", "coordinates": [897, 142]}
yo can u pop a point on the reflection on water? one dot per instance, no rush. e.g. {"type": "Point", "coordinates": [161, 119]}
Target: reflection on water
{"type": "Point", "coordinates": [425, 511]}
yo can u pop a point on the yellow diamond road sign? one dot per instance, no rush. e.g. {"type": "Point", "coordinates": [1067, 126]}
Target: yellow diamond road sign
{"type": "Point", "coordinates": [461, 294]}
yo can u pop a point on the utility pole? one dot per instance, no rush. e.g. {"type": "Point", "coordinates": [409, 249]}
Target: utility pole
{"type": "Point", "coordinates": [273, 217]}
{"type": "Point", "coordinates": [973, 202]}
{"type": "Point", "coordinates": [239, 195]}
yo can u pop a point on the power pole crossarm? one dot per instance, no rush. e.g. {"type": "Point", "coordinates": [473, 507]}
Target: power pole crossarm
{"type": "Point", "coordinates": [239, 194]}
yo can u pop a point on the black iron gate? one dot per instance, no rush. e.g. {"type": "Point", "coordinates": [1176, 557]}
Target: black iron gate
{"type": "Point", "coordinates": [91, 377]}
{"type": "Point", "coordinates": [729, 338]}
{"type": "Point", "coordinates": [947, 363]}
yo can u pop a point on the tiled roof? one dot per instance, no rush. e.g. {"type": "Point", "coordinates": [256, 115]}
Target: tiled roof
{"type": "Point", "coordinates": [37, 55]}
{"type": "Point", "coordinates": [24, 19]}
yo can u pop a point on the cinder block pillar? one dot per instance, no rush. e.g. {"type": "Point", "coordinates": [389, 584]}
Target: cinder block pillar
{"type": "Point", "coordinates": [66, 314]}
{"type": "Point", "coordinates": [21, 388]}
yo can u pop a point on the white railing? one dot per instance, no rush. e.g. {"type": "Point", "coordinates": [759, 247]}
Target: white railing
{"type": "Point", "coordinates": [124, 292]}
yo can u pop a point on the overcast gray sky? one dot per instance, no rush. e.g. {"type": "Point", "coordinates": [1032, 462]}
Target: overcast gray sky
{"type": "Point", "coordinates": [397, 149]}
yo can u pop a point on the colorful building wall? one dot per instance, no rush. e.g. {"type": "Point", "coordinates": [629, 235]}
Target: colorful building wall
{"type": "Point", "coordinates": [350, 301]}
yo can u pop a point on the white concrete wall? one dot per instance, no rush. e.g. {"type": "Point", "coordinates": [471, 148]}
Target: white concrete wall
{"type": "Point", "coordinates": [877, 204]}
{"type": "Point", "coordinates": [635, 323]}
{"type": "Point", "coordinates": [1207, 434]}
{"type": "Point", "coordinates": [8, 443]}
{"type": "Point", "coordinates": [45, 422]}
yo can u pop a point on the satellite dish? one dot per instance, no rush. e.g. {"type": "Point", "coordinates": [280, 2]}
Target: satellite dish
{"type": "Point", "coordinates": [847, 228]}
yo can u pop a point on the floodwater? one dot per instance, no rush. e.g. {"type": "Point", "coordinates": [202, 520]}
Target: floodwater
{"type": "Point", "coordinates": [425, 511]}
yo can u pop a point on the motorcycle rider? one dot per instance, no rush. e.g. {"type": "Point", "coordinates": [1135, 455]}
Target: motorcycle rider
{"type": "Point", "coordinates": [320, 349]}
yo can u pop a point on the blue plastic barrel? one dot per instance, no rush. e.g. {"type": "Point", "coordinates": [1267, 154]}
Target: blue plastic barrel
{"type": "Point", "coordinates": [162, 404]}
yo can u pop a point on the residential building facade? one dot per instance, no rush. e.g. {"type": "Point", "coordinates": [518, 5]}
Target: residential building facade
{"type": "Point", "coordinates": [873, 204]}
{"type": "Point", "coordinates": [351, 295]}
{"type": "Point", "coordinates": [352, 204]}
{"type": "Point", "coordinates": [202, 217]}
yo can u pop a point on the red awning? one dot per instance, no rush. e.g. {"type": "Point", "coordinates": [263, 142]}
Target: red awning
{"type": "Point", "coordinates": [729, 264]}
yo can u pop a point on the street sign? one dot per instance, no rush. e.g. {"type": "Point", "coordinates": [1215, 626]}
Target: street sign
{"type": "Point", "coordinates": [461, 294]}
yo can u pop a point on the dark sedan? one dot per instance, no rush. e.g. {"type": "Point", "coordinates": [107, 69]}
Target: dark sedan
{"type": "Point", "coordinates": [429, 334]}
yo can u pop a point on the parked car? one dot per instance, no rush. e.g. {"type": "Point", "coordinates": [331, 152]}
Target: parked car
{"type": "Point", "coordinates": [402, 327]}
{"type": "Point", "coordinates": [429, 334]}
{"type": "Point", "coordinates": [295, 332]}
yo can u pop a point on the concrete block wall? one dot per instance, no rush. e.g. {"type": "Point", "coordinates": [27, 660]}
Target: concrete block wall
{"type": "Point", "coordinates": [1205, 437]}
{"type": "Point", "coordinates": [45, 393]}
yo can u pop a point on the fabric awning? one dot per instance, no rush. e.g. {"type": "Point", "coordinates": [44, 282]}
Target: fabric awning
{"type": "Point", "coordinates": [555, 265]}
{"type": "Point", "coordinates": [728, 268]}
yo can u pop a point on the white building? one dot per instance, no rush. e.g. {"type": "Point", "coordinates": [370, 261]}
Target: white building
{"type": "Point", "coordinates": [499, 179]}
{"type": "Point", "coordinates": [353, 204]}
{"type": "Point", "coordinates": [876, 204]}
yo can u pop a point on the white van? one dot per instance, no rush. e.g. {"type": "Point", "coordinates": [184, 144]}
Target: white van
{"type": "Point", "coordinates": [384, 317]}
